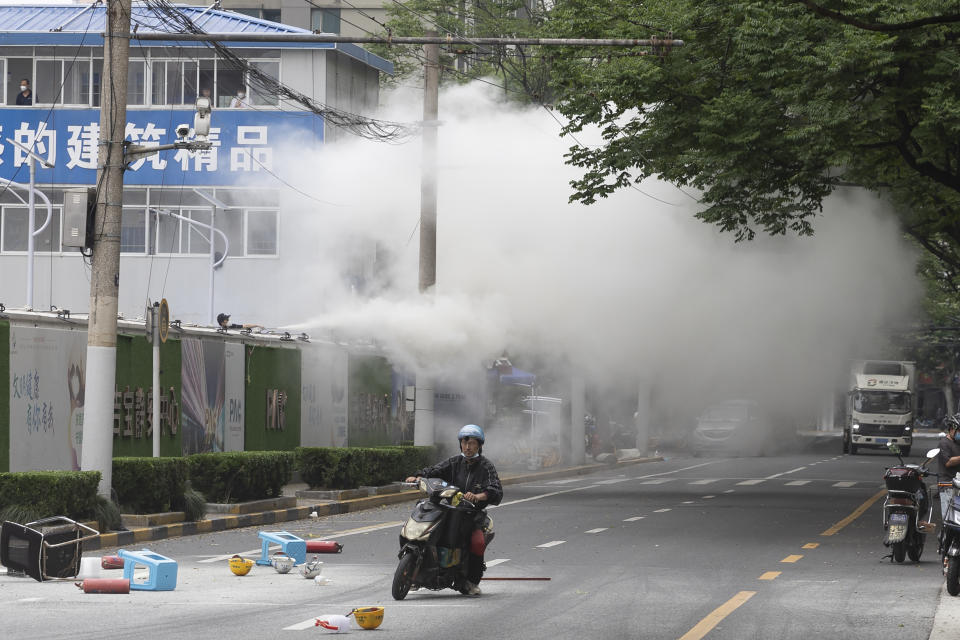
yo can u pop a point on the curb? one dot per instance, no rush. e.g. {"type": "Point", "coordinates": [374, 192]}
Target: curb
{"type": "Point", "coordinates": [237, 521]}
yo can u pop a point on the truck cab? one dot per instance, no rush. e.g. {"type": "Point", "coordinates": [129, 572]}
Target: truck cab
{"type": "Point", "coordinates": [881, 406]}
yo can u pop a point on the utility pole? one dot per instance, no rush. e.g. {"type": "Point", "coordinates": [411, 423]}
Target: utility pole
{"type": "Point", "coordinates": [423, 432]}
{"type": "Point", "coordinates": [97, 450]}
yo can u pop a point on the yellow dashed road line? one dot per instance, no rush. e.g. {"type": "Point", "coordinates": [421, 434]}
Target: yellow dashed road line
{"type": "Point", "coordinates": [716, 616]}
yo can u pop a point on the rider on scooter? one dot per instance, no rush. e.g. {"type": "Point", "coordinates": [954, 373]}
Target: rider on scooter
{"type": "Point", "coordinates": [949, 459]}
{"type": "Point", "coordinates": [477, 478]}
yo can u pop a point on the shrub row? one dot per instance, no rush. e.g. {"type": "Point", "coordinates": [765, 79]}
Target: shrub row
{"type": "Point", "coordinates": [349, 467]}
{"type": "Point", "coordinates": [239, 476]}
{"type": "Point", "coordinates": [41, 494]}
{"type": "Point", "coordinates": [167, 482]}
{"type": "Point", "coordinates": [152, 485]}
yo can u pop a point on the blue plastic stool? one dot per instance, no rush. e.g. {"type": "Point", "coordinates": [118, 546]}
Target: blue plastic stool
{"type": "Point", "coordinates": [163, 570]}
{"type": "Point", "coordinates": [290, 544]}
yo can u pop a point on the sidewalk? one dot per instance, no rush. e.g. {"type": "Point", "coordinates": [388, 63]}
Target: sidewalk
{"type": "Point", "coordinates": [298, 502]}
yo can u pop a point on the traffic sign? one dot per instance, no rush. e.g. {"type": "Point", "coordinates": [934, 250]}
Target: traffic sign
{"type": "Point", "coordinates": [164, 320]}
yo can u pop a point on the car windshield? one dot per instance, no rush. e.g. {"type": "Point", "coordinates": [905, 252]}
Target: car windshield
{"type": "Point", "coordinates": [896, 402]}
{"type": "Point", "coordinates": [725, 413]}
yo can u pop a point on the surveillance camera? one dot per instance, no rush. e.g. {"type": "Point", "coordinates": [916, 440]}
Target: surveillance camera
{"type": "Point", "coordinates": [183, 130]}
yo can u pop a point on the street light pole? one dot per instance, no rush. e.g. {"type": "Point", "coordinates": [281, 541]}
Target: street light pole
{"type": "Point", "coordinates": [32, 159]}
{"type": "Point", "coordinates": [97, 451]}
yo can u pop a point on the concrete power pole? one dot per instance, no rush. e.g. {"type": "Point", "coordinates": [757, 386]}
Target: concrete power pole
{"type": "Point", "coordinates": [423, 432]}
{"type": "Point", "coordinates": [97, 451]}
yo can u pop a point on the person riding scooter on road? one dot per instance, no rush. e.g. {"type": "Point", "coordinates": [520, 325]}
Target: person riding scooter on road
{"type": "Point", "coordinates": [948, 459]}
{"type": "Point", "coordinates": [476, 476]}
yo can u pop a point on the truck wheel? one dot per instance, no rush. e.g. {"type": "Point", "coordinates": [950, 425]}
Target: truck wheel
{"type": "Point", "coordinates": [846, 445]}
{"type": "Point", "coordinates": [853, 449]}
{"type": "Point", "coordinates": [905, 451]}
{"type": "Point", "coordinates": [953, 576]}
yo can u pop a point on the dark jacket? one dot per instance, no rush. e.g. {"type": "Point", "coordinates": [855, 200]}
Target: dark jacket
{"type": "Point", "coordinates": [24, 100]}
{"type": "Point", "coordinates": [476, 475]}
{"type": "Point", "coordinates": [948, 449]}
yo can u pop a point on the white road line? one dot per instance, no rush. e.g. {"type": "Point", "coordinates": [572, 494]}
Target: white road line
{"type": "Point", "coordinates": [657, 481]}
{"type": "Point", "coordinates": [552, 543]}
{"type": "Point", "coordinates": [348, 532]}
{"type": "Point", "coordinates": [493, 563]}
{"type": "Point", "coordinates": [662, 510]}
{"type": "Point", "coordinates": [754, 481]}
{"type": "Point", "coordinates": [845, 484]}
{"type": "Point", "coordinates": [634, 518]}
{"type": "Point", "coordinates": [729, 490]}
{"type": "Point", "coordinates": [797, 483]}
{"type": "Point", "coordinates": [705, 481]}
{"type": "Point", "coordinates": [615, 481]}
{"type": "Point", "coordinates": [708, 497]}
{"type": "Point", "coordinates": [688, 502]}
{"type": "Point", "coordinates": [596, 530]}
{"type": "Point", "coordinates": [567, 481]}
{"type": "Point", "coordinates": [777, 475]}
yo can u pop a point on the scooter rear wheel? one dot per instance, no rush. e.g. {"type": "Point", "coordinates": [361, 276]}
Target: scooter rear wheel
{"type": "Point", "coordinates": [953, 576]}
{"type": "Point", "coordinates": [899, 551]}
{"type": "Point", "coordinates": [403, 576]}
{"type": "Point", "coordinates": [915, 550]}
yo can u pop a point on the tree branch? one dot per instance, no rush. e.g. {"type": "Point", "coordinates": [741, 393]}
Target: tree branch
{"type": "Point", "coordinates": [874, 26]}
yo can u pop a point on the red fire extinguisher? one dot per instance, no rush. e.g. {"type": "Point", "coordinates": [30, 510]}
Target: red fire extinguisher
{"type": "Point", "coordinates": [323, 546]}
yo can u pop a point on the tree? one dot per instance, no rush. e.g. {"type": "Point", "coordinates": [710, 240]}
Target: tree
{"type": "Point", "coordinates": [521, 71]}
{"type": "Point", "coordinates": [771, 105]}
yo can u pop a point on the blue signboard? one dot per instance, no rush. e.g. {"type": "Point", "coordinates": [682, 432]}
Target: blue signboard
{"type": "Point", "coordinates": [245, 144]}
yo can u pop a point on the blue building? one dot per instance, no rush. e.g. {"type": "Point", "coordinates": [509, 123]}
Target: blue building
{"type": "Point", "coordinates": [58, 49]}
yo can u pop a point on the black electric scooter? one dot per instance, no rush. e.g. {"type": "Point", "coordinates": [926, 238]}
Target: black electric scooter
{"type": "Point", "coordinates": [907, 508]}
{"type": "Point", "coordinates": [433, 552]}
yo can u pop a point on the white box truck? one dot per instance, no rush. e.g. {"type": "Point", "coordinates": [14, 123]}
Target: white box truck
{"type": "Point", "coordinates": [881, 405]}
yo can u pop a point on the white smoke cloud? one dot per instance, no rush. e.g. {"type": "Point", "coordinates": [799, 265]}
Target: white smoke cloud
{"type": "Point", "coordinates": [631, 286]}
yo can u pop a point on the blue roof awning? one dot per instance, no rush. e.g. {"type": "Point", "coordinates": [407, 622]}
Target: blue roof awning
{"type": "Point", "coordinates": [84, 24]}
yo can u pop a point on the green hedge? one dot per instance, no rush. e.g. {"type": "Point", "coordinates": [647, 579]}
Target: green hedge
{"type": "Point", "coordinates": [352, 467]}
{"type": "Point", "coordinates": [51, 493]}
{"type": "Point", "coordinates": [239, 476]}
{"type": "Point", "coordinates": [149, 485]}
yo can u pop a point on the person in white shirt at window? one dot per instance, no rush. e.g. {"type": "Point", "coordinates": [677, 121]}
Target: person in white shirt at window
{"type": "Point", "coordinates": [237, 102]}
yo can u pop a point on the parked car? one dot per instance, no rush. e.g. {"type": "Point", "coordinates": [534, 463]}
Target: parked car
{"type": "Point", "coordinates": [738, 427]}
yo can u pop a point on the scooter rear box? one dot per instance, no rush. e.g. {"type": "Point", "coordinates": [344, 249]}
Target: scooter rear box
{"type": "Point", "coordinates": [902, 479]}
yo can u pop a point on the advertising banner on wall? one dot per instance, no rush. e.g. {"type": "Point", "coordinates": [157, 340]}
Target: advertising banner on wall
{"type": "Point", "coordinates": [202, 377]}
{"type": "Point", "coordinates": [243, 144]}
{"type": "Point", "coordinates": [323, 399]}
{"type": "Point", "coordinates": [47, 382]}
{"type": "Point", "coordinates": [235, 371]}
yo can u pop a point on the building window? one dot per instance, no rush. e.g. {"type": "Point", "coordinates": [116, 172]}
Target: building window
{"type": "Point", "coordinates": [14, 229]}
{"type": "Point", "coordinates": [261, 233]}
{"type": "Point", "coordinates": [137, 82]}
{"type": "Point", "coordinates": [133, 231]}
{"type": "Point", "coordinates": [325, 20]}
{"type": "Point", "coordinates": [47, 85]}
{"type": "Point", "coordinates": [258, 96]}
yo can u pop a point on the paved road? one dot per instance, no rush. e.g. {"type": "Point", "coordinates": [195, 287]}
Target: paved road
{"type": "Point", "coordinates": [718, 548]}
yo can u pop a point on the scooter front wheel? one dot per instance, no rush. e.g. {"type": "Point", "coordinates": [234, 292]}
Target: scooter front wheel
{"type": "Point", "coordinates": [403, 577]}
{"type": "Point", "coordinates": [953, 576]}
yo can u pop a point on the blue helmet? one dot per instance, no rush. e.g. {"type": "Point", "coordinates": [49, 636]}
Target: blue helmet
{"type": "Point", "coordinates": [470, 431]}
